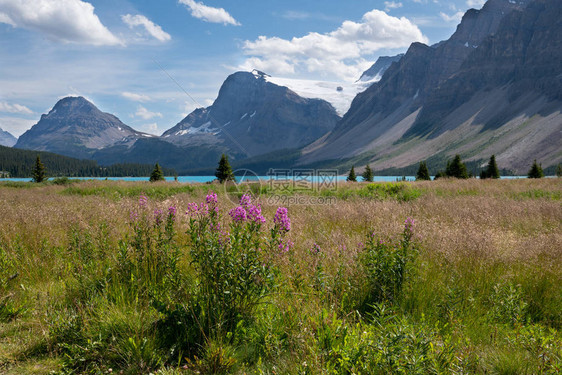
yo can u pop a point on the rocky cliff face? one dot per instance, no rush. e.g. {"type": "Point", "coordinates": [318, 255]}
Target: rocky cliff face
{"type": "Point", "coordinates": [252, 116]}
{"type": "Point", "coordinates": [75, 127]}
{"type": "Point", "coordinates": [493, 87]}
{"type": "Point", "coordinates": [6, 139]}
{"type": "Point", "coordinates": [377, 70]}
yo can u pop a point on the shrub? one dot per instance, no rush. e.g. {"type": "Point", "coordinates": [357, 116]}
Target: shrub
{"type": "Point", "coordinates": [385, 264]}
{"type": "Point", "coordinates": [234, 266]}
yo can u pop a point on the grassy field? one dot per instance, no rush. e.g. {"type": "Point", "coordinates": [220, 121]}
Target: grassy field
{"type": "Point", "coordinates": [441, 277]}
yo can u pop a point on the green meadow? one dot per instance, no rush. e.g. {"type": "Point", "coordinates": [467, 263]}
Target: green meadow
{"type": "Point", "coordinates": [435, 277]}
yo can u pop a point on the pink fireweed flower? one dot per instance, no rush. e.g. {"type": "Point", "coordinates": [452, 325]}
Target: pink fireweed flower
{"type": "Point", "coordinates": [191, 208]}
{"type": "Point", "coordinates": [315, 249]}
{"type": "Point", "coordinates": [133, 216]}
{"type": "Point", "coordinates": [254, 213]}
{"type": "Point", "coordinates": [409, 224]}
{"type": "Point", "coordinates": [172, 211]}
{"type": "Point", "coordinates": [143, 200]}
{"type": "Point", "coordinates": [212, 198]}
{"type": "Point", "coordinates": [158, 216]}
{"type": "Point", "coordinates": [238, 214]}
{"type": "Point", "coordinates": [281, 220]}
{"type": "Point", "coordinates": [245, 200]}
{"type": "Point", "coordinates": [203, 209]}
{"type": "Point", "coordinates": [285, 246]}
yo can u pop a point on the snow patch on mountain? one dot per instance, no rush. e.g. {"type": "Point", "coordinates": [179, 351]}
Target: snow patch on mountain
{"type": "Point", "coordinates": [327, 90]}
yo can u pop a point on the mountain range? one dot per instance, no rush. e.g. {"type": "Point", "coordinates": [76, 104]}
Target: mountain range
{"type": "Point", "coordinates": [6, 139]}
{"type": "Point", "coordinates": [494, 87]}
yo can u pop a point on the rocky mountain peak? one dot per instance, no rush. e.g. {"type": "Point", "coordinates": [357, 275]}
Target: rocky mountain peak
{"type": "Point", "coordinates": [6, 139]}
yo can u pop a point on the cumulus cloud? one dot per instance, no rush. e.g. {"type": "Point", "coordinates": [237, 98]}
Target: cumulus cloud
{"type": "Point", "coordinates": [135, 97]}
{"type": "Point", "coordinates": [150, 128]}
{"type": "Point", "coordinates": [392, 5]}
{"type": "Point", "coordinates": [475, 3]}
{"type": "Point", "coordinates": [209, 14]}
{"type": "Point", "coordinates": [69, 21]}
{"type": "Point", "coordinates": [451, 18]}
{"type": "Point", "coordinates": [14, 108]}
{"type": "Point", "coordinates": [146, 114]}
{"type": "Point", "coordinates": [150, 27]}
{"type": "Point", "coordinates": [345, 52]}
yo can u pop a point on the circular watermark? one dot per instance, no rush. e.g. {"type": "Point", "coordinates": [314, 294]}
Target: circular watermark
{"type": "Point", "coordinates": [245, 181]}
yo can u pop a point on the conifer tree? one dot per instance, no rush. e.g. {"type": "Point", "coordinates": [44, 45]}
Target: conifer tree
{"type": "Point", "coordinates": [368, 174]}
{"type": "Point", "coordinates": [559, 170]}
{"type": "Point", "coordinates": [456, 168]}
{"type": "Point", "coordinates": [535, 171]}
{"type": "Point", "coordinates": [493, 171]}
{"type": "Point", "coordinates": [157, 174]}
{"type": "Point", "coordinates": [352, 177]}
{"type": "Point", "coordinates": [423, 172]}
{"type": "Point", "coordinates": [224, 171]}
{"type": "Point", "coordinates": [38, 173]}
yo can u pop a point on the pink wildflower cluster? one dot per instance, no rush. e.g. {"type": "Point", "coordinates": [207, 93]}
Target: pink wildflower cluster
{"type": "Point", "coordinates": [192, 208]}
{"type": "Point", "coordinates": [281, 220]}
{"type": "Point", "coordinates": [143, 200]}
{"type": "Point", "coordinates": [409, 224]}
{"type": "Point", "coordinates": [247, 211]}
{"type": "Point", "coordinates": [285, 246]}
{"type": "Point", "coordinates": [158, 216]}
{"type": "Point", "coordinates": [212, 198]}
{"type": "Point", "coordinates": [172, 212]}
{"type": "Point", "coordinates": [238, 214]}
{"type": "Point", "coordinates": [315, 249]}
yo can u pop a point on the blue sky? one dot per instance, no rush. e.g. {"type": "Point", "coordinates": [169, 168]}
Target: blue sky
{"type": "Point", "coordinates": [120, 54]}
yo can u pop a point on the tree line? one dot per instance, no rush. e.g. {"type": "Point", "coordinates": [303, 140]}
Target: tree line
{"type": "Point", "coordinates": [455, 168]}
{"type": "Point", "coordinates": [18, 163]}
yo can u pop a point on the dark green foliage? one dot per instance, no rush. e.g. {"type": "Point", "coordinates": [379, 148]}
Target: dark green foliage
{"type": "Point", "coordinates": [224, 170]}
{"type": "Point", "coordinates": [20, 163]}
{"type": "Point", "coordinates": [535, 171]}
{"type": "Point", "coordinates": [367, 174]}
{"type": "Point", "coordinates": [559, 170]}
{"type": "Point", "coordinates": [423, 172]}
{"type": "Point", "coordinates": [492, 170]}
{"type": "Point", "coordinates": [456, 168]}
{"type": "Point", "coordinates": [439, 174]}
{"type": "Point", "coordinates": [157, 174]}
{"type": "Point", "coordinates": [386, 263]}
{"type": "Point", "coordinates": [38, 171]}
{"type": "Point", "coordinates": [352, 176]}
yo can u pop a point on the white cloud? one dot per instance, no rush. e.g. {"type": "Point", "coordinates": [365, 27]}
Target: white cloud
{"type": "Point", "coordinates": [14, 108]}
{"type": "Point", "coordinates": [344, 52]}
{"type": "Point", "coordinates": [392, 5]}
{"type": "Point", "coordinates": [475, 3]}
{"type": "Point", "coordinates": [146, 114]}
{"type": "Point", "coordinates": [150, 128]}
{"type": "Point", "coordinates": [451, 18]}
{"type": "Point", "coordinates": [150, 27]}
{"type": "Point", "coordinates": [69, 21]}
{"type": "Point", "coordinates": [135, 97]}
{"type": "Point", "coordinates": [209, 14]}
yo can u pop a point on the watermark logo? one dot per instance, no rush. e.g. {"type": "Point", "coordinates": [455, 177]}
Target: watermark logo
{"type": "Point", "coordinates": [285, 187]}
{"type": "Point", "coordinates": [245, 182]}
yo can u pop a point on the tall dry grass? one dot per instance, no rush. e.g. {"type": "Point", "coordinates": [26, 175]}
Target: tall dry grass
{"type": "Point", "coordinates": [473, 236]}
